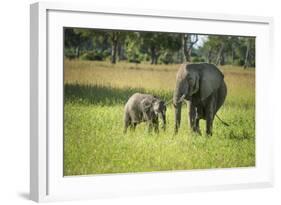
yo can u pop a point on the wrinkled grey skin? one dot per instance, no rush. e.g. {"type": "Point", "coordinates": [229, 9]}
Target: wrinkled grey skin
{"type": "Point", "coordinates": [204, 87]}
{"type": "Point", "coordinates": [144, 108]}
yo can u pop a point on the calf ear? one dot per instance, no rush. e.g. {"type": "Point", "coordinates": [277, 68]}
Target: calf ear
{"type": "Point", "coordinates": [156, 105]}
{"type": "Point", "coordinates": [145, 105]}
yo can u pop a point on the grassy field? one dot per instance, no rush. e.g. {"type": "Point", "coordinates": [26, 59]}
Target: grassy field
{"type": "Point", "coordinates": [95, 94]}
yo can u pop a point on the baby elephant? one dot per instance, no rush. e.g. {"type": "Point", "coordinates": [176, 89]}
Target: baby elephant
{"type": "Point", "coordinates": [144, 108]}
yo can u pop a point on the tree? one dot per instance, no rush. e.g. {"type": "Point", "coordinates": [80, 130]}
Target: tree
{"type": "Point", "coordinates": [170, 48]}
{"type": "Point", "coordinates": [117, 39]}
{"type": "Point", "coordinates": [114, 37]}
{"type": "Point", "coordinates": [215, 49]}
{"type": "Point", "coordinates": [249, 52]}
{"type": "Point", "coordinates": [188, 41]}
{"type": "Point", "coordinates": [158, 47]}
{"type": "Point", "coordinates": [221, 44]}
{"type": "Point", "coordinates": [74, 40]}
{"type": "Point", "coordinates": [151, 43]}
{"type": "Point", "coordinates": [160, 44]}
{"type": "Point", "coordinates": [233, 50]}
{"type": "Point", "coordinates": [234, 43]}
{"type": "Point", "coordinates": [132, 47]}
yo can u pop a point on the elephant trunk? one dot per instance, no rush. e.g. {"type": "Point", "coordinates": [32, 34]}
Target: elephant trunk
{"type": "Point", "coordinates": [177, 105]}
{"type": "Point", "coordinates": [180, 94]}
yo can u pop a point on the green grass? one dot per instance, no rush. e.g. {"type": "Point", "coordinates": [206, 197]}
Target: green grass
{"type": "Point", "coordinates": [94, 143]}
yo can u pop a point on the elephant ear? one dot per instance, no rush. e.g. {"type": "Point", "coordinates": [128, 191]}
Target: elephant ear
{"type": "Point", "coordinates": [146, 105]}
{"type": "Point", "coordinates": [156, 105]}
{"type": "Point", "coordinates": [210, 80]}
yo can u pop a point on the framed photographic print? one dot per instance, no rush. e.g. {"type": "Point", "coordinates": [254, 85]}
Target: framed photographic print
{"type": "Point", "coordinates": [129, 102]}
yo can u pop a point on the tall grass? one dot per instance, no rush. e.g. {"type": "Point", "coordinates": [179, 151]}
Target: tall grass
{"type": "Point", "coordinates": [95, 94]}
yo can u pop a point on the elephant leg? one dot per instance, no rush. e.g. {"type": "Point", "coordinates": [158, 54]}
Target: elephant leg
{"type": "Point", "coordinates": [197, 128]}
{"type": "Point", "coordinates": [192, 114]}
{"type": "Point", "coordinates": [156, 125]}
{"type": "Point", "coordinates": [210, 115]}
{"type": "Point", "coordinates": [177, 117]}
{"type": "Point", "coordinates": [194, 118]}
{"type": "Point", "coordinates": [150, 126]}
{"type": "Point", "coordinates": [127, 123]}
{"type": "Point", "coordinates": [134, 126]}
{"type": "Point", "coordinates": [209, 126]}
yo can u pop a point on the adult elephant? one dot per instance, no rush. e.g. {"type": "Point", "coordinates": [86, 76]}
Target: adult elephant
{"type": "Point", "coordinates": [204, 87]}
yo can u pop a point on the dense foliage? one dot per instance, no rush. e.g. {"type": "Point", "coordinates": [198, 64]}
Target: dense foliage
{"type": "Point", "coordinates": [163, 48]}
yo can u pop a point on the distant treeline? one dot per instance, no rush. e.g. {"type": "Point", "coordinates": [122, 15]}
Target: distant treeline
{"type": "Point", "coordinates": [156, 47]}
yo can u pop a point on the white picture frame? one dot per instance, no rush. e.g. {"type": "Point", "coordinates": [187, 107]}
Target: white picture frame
{"type": "Point", "coordinates": [46, 100]}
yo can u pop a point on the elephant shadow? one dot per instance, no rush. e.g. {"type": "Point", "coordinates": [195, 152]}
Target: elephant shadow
{"type": "Point", "coordinates": [105, 95]}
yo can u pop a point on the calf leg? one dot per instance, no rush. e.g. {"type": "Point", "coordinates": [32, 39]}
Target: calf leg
{"type": "Point", "coordinates": [133, 125]}
{"type": "Point", "coordinates": [150, 126]}
{"type": "Point", "coordinates": [127, 123]}
{"type": "Point", "coordinates": [156, 125]}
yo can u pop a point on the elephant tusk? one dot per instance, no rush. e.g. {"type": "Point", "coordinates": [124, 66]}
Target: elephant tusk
{"type": "Point", "coordinates": [169, 101]}
{"type": "Point", "coordinates": [182, 98]}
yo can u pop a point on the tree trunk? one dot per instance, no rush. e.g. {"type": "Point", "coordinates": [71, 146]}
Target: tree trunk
{"type": "Point", "coordinates": [219, 57]}
{"type": "Point", "coordinates": [113, 52]}
{"type": "Point", "coordinates": [184, 47]}
{"type": "Point", "coordinates": [209, 57]}
{"type": "Point", "coordinates": [154, 55]}
{"type": "Point", "coordinates": [120, 51]}
{"type": "Point", "coordinates": [232, 54]}
{"type": "Point", "coordinates": [156, 59]}
{"type": "Point", "coordinates": [77, 52]}
{"type": "Point", "coordinates": [114, 41]}
{"type": "Point", "coordinates": [187, 45]}
{"type": "Point", "coordinates": [179, 57]}
{"type": "Point", "coordinates": [247, 55]}
{"type": "Point", "coordinates": [222, 62]}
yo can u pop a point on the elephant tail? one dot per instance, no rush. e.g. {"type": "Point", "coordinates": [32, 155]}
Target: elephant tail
{"type": "Point", "coordinates": [226, 124]}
